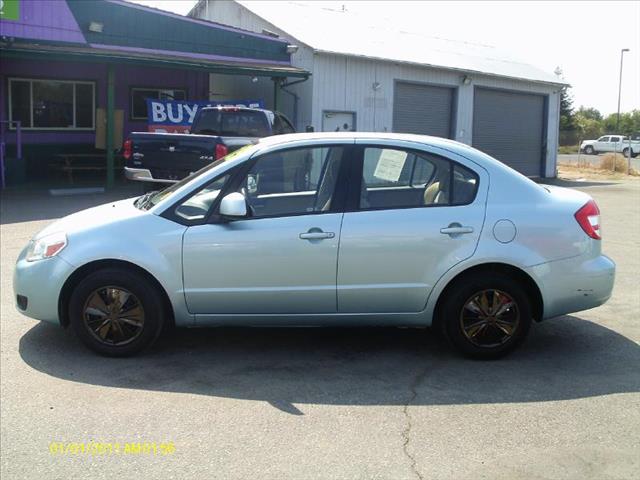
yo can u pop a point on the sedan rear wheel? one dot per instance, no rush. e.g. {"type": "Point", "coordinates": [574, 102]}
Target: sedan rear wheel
{"type": "Point", "coordinates": [116, 312]}
{"type": "Point", "coordinates": [487, 315]}
{"type": "Point", "coordinates": [489, 318]}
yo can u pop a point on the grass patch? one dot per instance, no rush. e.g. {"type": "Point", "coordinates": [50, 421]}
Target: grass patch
{"type": "Point", "coordinates": [593, 172]}
{"type": "Point", "coordinates": [614, 162]}
{"type": "Point", "coordinates": [568, 149]}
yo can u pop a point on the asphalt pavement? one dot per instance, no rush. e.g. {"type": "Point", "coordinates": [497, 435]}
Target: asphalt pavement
{"type": "Point", "coordinates": [326, 403]}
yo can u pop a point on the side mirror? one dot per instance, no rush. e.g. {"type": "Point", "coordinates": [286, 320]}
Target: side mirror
{"type": "Point", "coordinates": [309, 129]}
{"type": "Point", "coordinates": [233, 205]}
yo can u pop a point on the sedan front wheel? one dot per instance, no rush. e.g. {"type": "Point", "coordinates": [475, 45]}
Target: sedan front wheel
{"type": "Point", "coordinates": [116, 312]}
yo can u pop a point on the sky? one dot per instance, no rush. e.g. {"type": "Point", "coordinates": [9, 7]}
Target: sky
{"type": "Point", "coordinates": [584, 39]}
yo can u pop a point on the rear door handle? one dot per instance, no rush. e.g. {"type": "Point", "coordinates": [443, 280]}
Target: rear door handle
{"type": "Point", "coordinates": [456, 229]}
{"type": "Point", "coordinates": [316, 235]}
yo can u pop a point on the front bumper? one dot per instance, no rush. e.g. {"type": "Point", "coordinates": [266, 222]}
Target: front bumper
{"type": "Point", "coordinates": [40, 282]}
{"type": "Point", "coordinates": [574, 284]}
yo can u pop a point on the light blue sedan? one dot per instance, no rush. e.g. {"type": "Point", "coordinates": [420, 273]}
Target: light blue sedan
{"type": "Point", "coordinates": [324, 229]}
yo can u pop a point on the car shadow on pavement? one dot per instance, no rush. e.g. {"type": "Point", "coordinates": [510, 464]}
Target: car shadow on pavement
{"type": "Point", "coordinates": [27, 205]}
{"type": "Point", "coordinates": [566, 358]}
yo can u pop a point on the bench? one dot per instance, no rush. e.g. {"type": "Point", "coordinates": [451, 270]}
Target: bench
{"type": "Point", "coordinates": [71, 162]}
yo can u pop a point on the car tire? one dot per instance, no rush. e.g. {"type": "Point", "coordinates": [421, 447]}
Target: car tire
{"type": "Point", "coordinates": [589, 150]}
{"type": "Point", "coordinates": [481, 298]}
{"type": "Point", "coordinates": [116, 312]}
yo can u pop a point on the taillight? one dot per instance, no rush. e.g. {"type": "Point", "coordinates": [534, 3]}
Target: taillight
{"type": "Point", "coordinates": [126, 149]}
{"type": "Point", "coordinates": [221, 150]}
{"type": "Point", "coordinates": [589, 219]}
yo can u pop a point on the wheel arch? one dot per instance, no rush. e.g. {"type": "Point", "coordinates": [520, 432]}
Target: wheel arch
{"type": "Point", "coordinates": [81, 272]}
{"type": "Point", "coordinates": [522, 277]}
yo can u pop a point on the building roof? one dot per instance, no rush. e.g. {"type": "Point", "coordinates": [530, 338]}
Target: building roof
{"type": "Point", "coordinates": [115, 30]}
{"type": "Point", "coordinates": [347, 33]}
{"type": "Point", "coordinates": [140, 56]}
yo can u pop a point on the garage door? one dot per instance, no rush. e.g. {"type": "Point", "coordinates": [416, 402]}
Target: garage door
{"type": "Point", "coordinates": [423, 109]}
{"type": "Point", "coordinates": [510, 127]}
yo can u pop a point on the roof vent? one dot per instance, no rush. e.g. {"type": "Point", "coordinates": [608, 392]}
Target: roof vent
{"type": "Point", "coordinates": [270, 33]}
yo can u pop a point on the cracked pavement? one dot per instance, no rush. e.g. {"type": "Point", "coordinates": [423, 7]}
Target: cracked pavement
{"type": "Point", "coordinates": [329, 403]}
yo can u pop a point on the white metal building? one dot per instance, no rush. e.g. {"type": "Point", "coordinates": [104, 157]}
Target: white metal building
{"type": "Point", "coordinates": [369, 77]}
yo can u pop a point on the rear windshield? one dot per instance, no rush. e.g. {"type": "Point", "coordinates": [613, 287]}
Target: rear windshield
{"type": "Point", "coordinates": [230, 123]}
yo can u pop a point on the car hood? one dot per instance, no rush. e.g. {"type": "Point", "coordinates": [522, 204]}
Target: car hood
{"type": "Point", "coordinates": [94, 217]}
{"type": "Point", "coordinates": [588, 142]}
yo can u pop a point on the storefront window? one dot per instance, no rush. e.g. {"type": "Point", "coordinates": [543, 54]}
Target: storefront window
{"type": "Point", "coordinates": [139, 99]}
{"type": "Point", "coordinates": [52, 104]}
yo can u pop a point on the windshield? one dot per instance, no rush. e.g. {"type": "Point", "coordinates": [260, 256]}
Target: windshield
{"type": "Point", "coordinates": [150, 199]}
{"type": "Point", "coordinates": [232, 123]}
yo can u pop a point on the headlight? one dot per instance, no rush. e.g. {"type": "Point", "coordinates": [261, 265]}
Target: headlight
{"type": "Point", "coordinates": [46, 247]}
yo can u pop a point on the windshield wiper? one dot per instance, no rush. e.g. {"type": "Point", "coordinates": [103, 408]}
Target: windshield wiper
{"type": "Point", "coordinates": [141, 202]}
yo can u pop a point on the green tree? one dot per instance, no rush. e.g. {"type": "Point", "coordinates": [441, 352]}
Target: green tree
{"type": "Point", "coordinates": [566, 110]}
{"type": "Point", "coordinates": [589, 112]}
{"type": "Point", "coordinates": [629, 123]}
{"type": "Point", "coordinates": [588, 128]}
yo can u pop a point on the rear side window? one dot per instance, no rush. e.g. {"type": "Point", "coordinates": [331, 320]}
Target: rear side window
{"type": "Point", "coordinates": [395, 178]}
{"type": "Point", "coordinates": [232, 123]}
{"type": "Point", "coordinates": [465, 184]}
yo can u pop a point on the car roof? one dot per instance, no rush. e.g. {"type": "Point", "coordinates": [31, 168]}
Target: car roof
{"type": "Point", "coordinates": [444, 143]}
{"type": "Point", "coordinates": [291, 137]}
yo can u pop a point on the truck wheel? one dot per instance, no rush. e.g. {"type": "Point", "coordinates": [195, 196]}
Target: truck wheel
{"type": "Point", "coordinates": [625, 152]}
{"type": "Point", "coordinates": [589, 150]}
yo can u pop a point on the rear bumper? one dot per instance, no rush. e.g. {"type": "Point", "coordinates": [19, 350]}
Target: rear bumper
{"type": "Point", "coordinates": [144, 175]}
{"type": "Point", "coordinates": [574, 284]}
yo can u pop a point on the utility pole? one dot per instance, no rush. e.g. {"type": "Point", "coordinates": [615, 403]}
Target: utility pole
{"type": "Point", "coordinates": [620, 89]}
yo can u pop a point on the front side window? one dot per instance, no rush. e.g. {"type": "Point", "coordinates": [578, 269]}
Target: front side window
{"type": "Point", "coordinates": [395, 178]}
{"type": "Point", "coordinates": [139, 99]}
{"type": "Point", "coordinates": [52, 104]}
{"type": "Point", "coordinates": [293, 182]}
{"type": "Point", "coordinates": [197, 206]}
{"type": "Point", "coordinates": [603, 139]}
{"type": "Point", "coordinates": [151, 199]}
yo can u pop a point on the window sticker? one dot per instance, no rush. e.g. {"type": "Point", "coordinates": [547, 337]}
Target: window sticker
{"type": "Point", "coordinates": [390, 165]}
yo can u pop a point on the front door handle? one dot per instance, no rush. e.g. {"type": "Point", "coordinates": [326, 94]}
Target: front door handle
{"type": "Point", "coordinates": [316, 234]}
{"type": "Point", "coordinates": [455, 229]}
